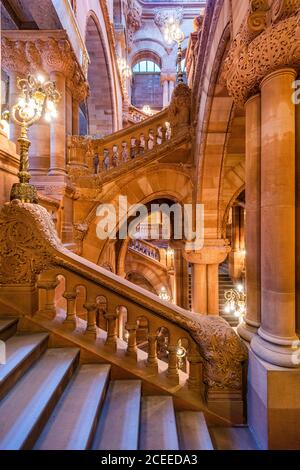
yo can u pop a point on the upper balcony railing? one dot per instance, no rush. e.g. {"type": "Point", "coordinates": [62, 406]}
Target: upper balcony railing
{"type": "Point", "coordinates": [145, 248]}
{"type": "Point", "coordinates": [97, 156]}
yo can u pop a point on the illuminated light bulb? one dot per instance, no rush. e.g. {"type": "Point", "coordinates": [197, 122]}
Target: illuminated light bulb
{"type": "Point", "coordinates": [22, 103]}
{"type": "Point", "coordinates": [29, 111]}
{"type": "Point", "coordinates": [50, 105]}
{"type": "Point", "coordinates": [54, 113]}
{"type": "Point", "coordinates": [31, 103]}
{"type": "Point", "coordinates": [41, 79]}
{"type": "Point", "coordinates": [240, 287]}
{"type": "Point", "coordinates": [227, 309]}
{"type": "Point", "coordinates": [48, 117]}
{"type": "Point", "coordinates": [237, 314]}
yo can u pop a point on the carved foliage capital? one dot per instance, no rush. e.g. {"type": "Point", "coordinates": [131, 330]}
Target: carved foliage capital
{"type": "Point", "coordinates": [268, 41]}
{"type": "Point", "coordinates": [49, 55]}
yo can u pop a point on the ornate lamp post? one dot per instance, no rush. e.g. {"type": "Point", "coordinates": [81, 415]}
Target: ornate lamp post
{"type": "Point", "coordinates": [37, 98]}
{"type": "Point", "coordinates": [173, 33]}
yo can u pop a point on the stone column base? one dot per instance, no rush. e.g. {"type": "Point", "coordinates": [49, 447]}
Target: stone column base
{"type": "Point", "coordinates": [273, 405]}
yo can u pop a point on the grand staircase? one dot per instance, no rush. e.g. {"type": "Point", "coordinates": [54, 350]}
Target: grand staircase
{"type": "Point", "coordinates": [51, 399]}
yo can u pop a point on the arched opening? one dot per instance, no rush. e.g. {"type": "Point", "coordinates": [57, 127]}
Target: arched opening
{"type": "Point", "coordinates": [100, 102]}
{"type": "Point", "coordinates": [146, 86]}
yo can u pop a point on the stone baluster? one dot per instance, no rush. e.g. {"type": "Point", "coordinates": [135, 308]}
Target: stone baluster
{"type": "Point", "coordinates": [111, 340]}
{"type": "Point", "coordinates": [172, 372]}
{"type": "Point", "coordinates": [71, 301]}
{"type": "Point", "coordinates": [49, 287]}
{"type": "Point", "coordinates": [152, 350]}
{"type": "Point", "coordinates": [132, 347]}
{"type": "Point", "coordinates": [91, 329]}
{"type": "Point", "coordinates": [195, 380]}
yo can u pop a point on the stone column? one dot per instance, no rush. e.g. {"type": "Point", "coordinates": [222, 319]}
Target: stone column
{"type": "Point", "coordinates": [75, 116]}
{"type": "Point", "coordinates": [199, 288]}
{"type": "Point", "coordinates": [39, 157]}
{"type": "Point", "coordinates": [205, 276]}
{"type": "Point", "coordinates": [297, 219]}
{"type": "Point", "coordinates": [253, 168]}
{"type": "Point", "coordinates": [278, 314]}
{"type": "Point", "coordinates": [213, 289]}
{"type": "Point", "coordinates": [58, 129]}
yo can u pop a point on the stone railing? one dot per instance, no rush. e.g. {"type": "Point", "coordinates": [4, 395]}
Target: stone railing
{"type": "Point", "coordinates": [135, 115]}
{"type": "Point", "coordinates": [155, 137]}
{"type": "Point", "coordinates": [140, 246]}
{"type": "Point", "coordinates": [101, 155]}
{"type": "Point", "coordinates": [31, 259]}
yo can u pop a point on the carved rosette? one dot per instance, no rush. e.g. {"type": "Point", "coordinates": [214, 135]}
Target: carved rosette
{"type": "Point", "coordinates": [49, 55]}
{"type": "Point", "coordinates": [254, 54]}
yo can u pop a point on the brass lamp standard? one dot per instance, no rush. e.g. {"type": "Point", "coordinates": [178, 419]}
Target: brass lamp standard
{"type": "Point", "coordinates": [173, 33]}
{"type": "Point", "coordinates": [37, 98]}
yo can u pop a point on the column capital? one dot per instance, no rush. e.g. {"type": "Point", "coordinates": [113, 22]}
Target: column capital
{"type": "Point", "coordinates": [213, 252]}
{"type": "Point", "coordinates": [262, 45]}
{"type": "Point", "coordinates": [40, 51]}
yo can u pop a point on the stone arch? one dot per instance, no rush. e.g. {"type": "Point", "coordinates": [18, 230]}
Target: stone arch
{"type": "Point", "coordinates": [146, 54]}
{"type": "Point", "coordinates": [165, 182]}
{"type": "Point", "coordinates": [156, 276]}
{"type": "Point", "coordinates": [220, 165]}
{"type": "Point", "coordinates": [100, 103]}
{"type": "Point", "coordinates": [139, 278]}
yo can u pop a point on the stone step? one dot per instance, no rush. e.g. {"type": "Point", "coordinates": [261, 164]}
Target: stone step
{"type": "Point", "coordinates": [118, 428]}
{"type": "Point", "coordinates": [21, 353]}
{"type": "Point", "coordinates": [192, 430]}
{"type": "Point", "coordinates": [26, 408]}
{"type": "Point", "coordinates": [8, 327]}
{"type": "Point", "coordinates": [232, 438]}
{"type": "Point", "coordinates": [158, 424]}
{"type": "Point", "coordinates": [74, 419]}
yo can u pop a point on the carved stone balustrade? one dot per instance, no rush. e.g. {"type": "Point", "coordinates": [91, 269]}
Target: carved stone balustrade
{"type": "Point", "coordinates": [100, 156]}
{"type": "Point", "coordinates": [140, 246]}
{"type": "Point", "coordinates": [32, 255]}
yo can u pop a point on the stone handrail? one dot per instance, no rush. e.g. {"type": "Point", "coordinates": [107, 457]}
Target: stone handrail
{"type": "Point", "coordinates": [101, 155]}
{"type": "Point", "coordinates": [135, 115]}
{"type": "Point", "coordinates": [31, 254]}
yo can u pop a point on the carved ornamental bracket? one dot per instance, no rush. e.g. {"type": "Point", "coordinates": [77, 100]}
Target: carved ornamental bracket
{"type": "Point", "coordinates": [268, 41]}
